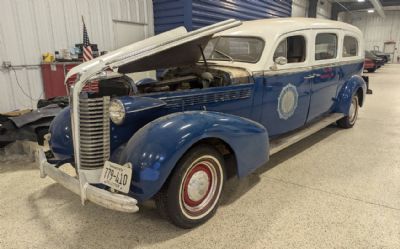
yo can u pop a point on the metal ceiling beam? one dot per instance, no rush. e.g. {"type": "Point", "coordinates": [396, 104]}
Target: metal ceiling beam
{"type": "Point", "coordinates": [391, 8]}
{"type": "Point", "coordinates": [352, 5]}
{"type": "Point", "coordinates": [378, 7]}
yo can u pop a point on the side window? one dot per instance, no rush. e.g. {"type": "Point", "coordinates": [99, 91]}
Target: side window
{"type": "Point", "coordinates": [350, 46]}
{"type": "Point", "coordinates": [293, 48]}
{"type": "Point", "coordinates": [325, 46]}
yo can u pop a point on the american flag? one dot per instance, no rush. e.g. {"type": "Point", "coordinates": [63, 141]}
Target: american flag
{"type": "Point", "coordinates": [87, 49]}
{"type": "Point", "coordinates": [93, 86]}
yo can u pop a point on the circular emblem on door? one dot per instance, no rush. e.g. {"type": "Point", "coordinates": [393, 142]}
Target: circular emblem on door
{"type": "Point", "coordinates": [287, 102]}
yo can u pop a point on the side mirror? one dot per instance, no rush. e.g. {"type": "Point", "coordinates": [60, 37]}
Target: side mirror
{"type": "Point", "coordinates": [281, 60]}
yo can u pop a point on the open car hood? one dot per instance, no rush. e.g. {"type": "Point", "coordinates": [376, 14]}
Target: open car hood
{"type": "Point", "coordinates": [169, 49]}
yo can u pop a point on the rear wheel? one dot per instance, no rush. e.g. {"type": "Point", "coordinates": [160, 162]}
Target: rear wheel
{"type": "Point", "coordinates": [349, 120]}
{"type": "Point", "coordinates": [371, 70]}
{"type": "Point", "coordinates": [191, 195]}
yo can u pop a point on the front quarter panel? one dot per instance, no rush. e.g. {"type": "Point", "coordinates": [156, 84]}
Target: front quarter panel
{"type": "Point", "coordinates": [157, 147]}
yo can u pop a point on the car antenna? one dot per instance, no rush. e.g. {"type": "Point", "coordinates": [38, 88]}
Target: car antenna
{"type": "Point", "coordinates": [204, 58]}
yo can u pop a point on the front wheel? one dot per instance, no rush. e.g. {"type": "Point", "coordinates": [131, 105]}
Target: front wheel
{"type": "Point", "coordinates": [349, 120]}
{"type": "Point", "coordinates": [191, 195]}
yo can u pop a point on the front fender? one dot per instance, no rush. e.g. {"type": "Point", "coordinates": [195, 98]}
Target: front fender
{"type": "Point", "coordinates": [156, 148]}
{"type": "Point", "coordinates": [346, 92]}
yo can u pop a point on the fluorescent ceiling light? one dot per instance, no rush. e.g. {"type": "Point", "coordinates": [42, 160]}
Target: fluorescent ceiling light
{"type": "Point", "coordinates": [371, 11]}
{"type": "Point", "coordinates": [360, 1]}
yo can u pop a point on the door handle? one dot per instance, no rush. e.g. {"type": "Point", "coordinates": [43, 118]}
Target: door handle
{"type": "Point", "coordinates": [312, 76]}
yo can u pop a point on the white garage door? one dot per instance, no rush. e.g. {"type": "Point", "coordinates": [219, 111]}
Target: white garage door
{"type": "Point", "coordinates": [126, 33]}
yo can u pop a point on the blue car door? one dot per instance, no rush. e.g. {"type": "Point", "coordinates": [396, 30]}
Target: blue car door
{"type": "Point", "coordinates": [325, 75]}
{"type": "Point", "coordinates": [286, 95]}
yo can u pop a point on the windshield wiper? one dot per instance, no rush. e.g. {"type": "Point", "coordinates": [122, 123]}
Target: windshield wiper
{"type": "Point", "coordinates": [223, 54]}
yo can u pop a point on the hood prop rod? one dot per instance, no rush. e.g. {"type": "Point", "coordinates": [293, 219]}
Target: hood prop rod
{"type": "Point", "coordinates": [204, 57]}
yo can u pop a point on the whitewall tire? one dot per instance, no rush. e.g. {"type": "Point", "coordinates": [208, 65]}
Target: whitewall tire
{"type": "Point", "coordinates": [192, 193]}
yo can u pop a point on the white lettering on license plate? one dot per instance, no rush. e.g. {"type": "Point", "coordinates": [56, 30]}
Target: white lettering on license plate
{"type": "Point", "coordinates": [117, 176]}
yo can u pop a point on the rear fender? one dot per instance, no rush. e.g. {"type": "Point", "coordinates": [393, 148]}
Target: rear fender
{"type": "Point", "coordinates": [156, 148]}
{"type": "Point", "coordinates": [349, 88]}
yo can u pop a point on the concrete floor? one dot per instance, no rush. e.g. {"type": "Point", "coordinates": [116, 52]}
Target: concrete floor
{"type": "Point", "coordinates": [336, 189]}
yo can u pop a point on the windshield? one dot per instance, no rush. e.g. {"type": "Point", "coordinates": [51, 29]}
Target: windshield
{"type": "Point", "coordinates": [243, 49]}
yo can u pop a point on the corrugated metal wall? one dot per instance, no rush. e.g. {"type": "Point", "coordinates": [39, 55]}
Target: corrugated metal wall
{"type": "Point", "coordinates": [29, 28]}
{"type": "Point", "coordinates": [378, 30]}
{"type": "Point", "coordinates": [206, 12]}
{"type": "Point", "coordinates": [194, 14]}
{"type": "Point", "coordinates": [169, 14]}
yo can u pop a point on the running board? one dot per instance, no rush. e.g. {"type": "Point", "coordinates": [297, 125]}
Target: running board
{"type": "Point", "coordinates": [284, 142]}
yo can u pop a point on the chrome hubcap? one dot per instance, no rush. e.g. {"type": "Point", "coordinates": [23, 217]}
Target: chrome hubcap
{"type": "Point", "coordinates": [198, 186]}
{"type": "Point", "coordinates": [201, 187]}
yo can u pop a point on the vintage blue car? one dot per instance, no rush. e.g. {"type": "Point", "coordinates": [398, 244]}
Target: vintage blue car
{"type": "Point", "coordinates": [227, 96]}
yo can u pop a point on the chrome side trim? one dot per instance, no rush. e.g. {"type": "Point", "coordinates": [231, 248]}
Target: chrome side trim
{"type": "Point", "coordinates": [304, 68]}
{"type": "Point", "coordinates": [148, 108]}
{"type": "Point", "coordinates": [284, 142]}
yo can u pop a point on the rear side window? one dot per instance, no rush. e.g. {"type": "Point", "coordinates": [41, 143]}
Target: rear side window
{"type": "Point", "coordinates": [350, 46]}
{"type": "Point", "coordinates": [325, 46]}
{"type": "Point", "coordinates": [292, 48]}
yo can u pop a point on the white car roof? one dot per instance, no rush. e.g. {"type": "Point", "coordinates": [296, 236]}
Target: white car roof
{"type": "Point", "coordinates": [278, 26]}
{"type": "Point", "coordinates": [271, 29]}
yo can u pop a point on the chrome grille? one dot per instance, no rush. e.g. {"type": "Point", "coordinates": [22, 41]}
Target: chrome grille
{"type": "Point", "coordinates": [94, 135]}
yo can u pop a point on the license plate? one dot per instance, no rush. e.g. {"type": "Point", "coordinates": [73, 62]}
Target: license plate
{"type": "Point", "coordinates": [117, 176]}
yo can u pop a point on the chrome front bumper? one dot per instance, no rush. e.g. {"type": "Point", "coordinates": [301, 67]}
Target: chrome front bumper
{"type": "Point", "coordinates": [86, 191]}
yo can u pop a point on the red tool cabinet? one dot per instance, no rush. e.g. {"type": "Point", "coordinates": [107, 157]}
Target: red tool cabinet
{"type": "Point", "coordinates": [53, 78]}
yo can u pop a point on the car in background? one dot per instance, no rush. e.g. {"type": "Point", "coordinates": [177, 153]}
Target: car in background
{"type": "Point", "coordinates": [377, 60]}
{"type": "Point", "coordinates": [384, 56]}
{"type": "Point", "coordinates": [369, 65]}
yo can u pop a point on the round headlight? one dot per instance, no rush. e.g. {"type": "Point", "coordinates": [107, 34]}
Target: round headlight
{"type": "Point", "coordinates": [117, 111]}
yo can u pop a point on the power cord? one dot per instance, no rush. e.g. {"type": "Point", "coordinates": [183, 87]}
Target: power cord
{"type": "Point", "coordinates": [21, 88]}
